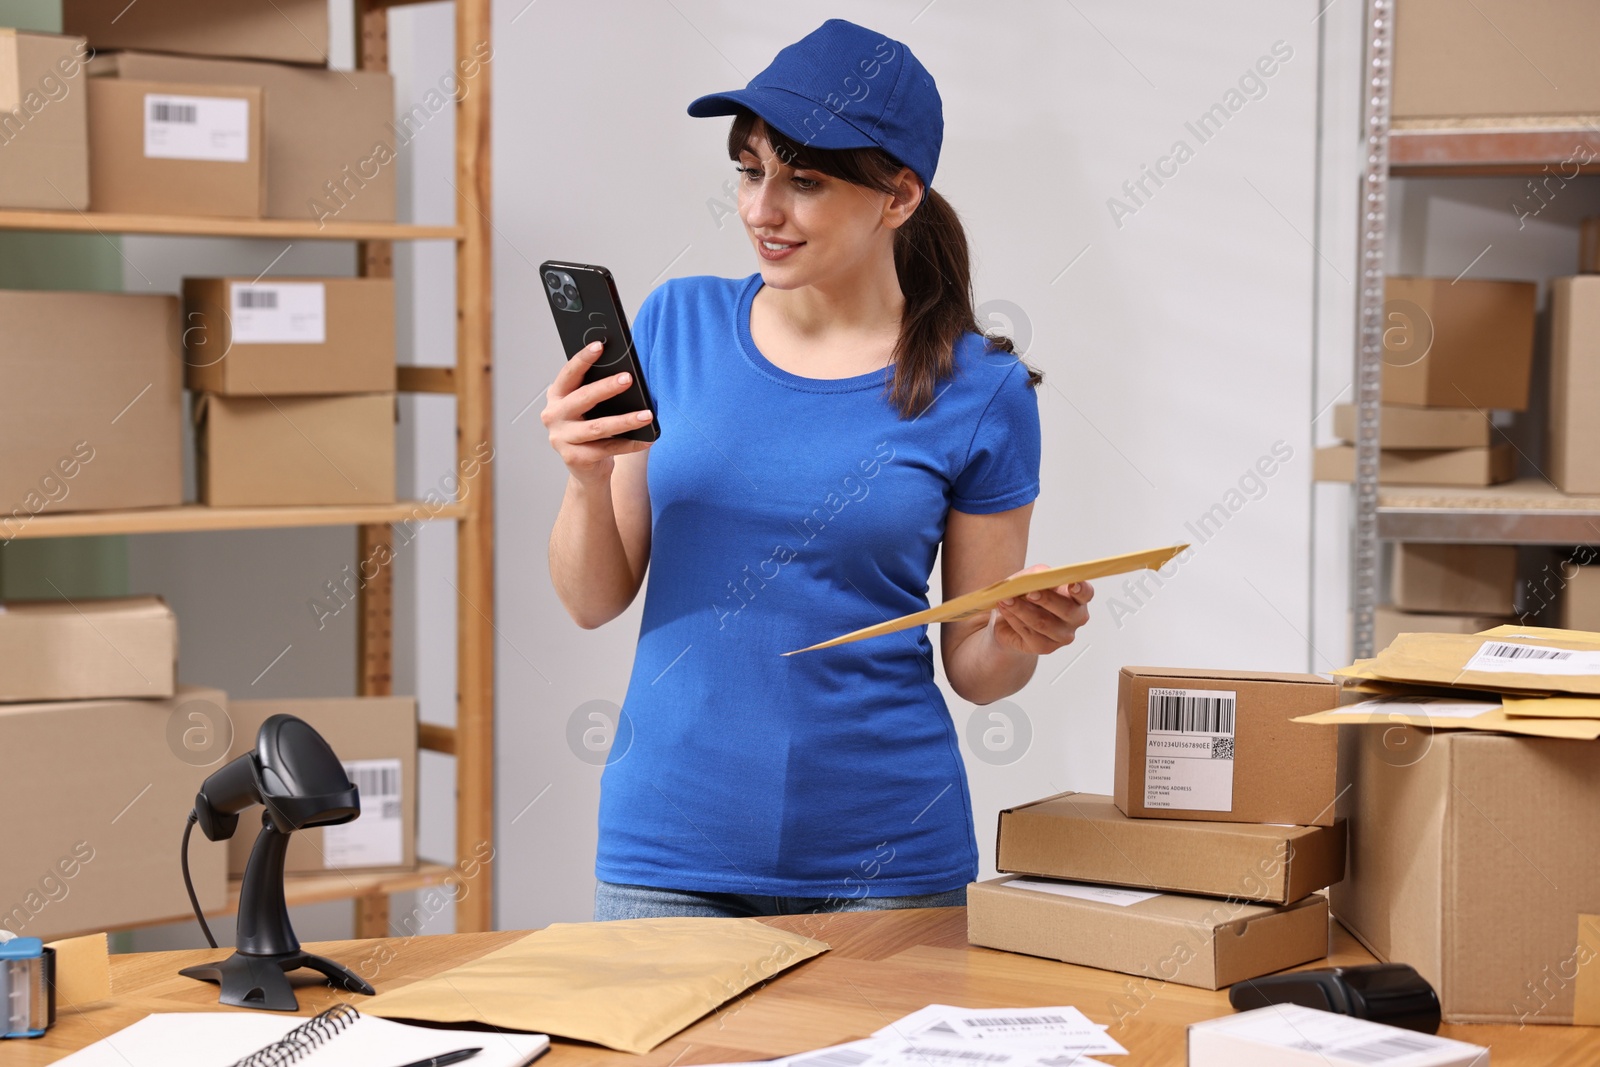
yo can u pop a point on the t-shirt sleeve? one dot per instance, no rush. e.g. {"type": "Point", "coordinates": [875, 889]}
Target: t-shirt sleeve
{"type": "Point", "coordinates": [646, 326]}
{"type": "Point", "coordinates": [1002, 466]}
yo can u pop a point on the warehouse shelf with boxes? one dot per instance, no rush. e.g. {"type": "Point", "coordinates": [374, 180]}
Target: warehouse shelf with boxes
{"type": "Point", "coordinates": [226, 120]}
{"type": "Point", "coordinates": [1472, 422]}
{"type": "Point", "coordinates": [1468, 722]}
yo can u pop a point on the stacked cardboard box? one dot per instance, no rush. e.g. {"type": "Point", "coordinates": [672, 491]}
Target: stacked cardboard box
{"type": "Point", "coordinates": [1448, 66]}
{"type": "Point", "coordinates": [1447, 588]}
{"type": "Point", "coordinates": [1573, 456]}
{"type": "Point", "coordinates": [1222, 824]}
{"type": "Point", "coordinates": [104, 751]}
{"type": "Point", "coordinates": [294, 383]}
{"type": "Point", "coordinates": [114, 438]}
{"type": "Point", "coordinates": [228, 109]}
{"type": "Point", "coordinates": [1454, 352]}
{"type": "Point", "coordinates": [327, 147]}
{"type": "Point", "coordinates": [100, 790]}
{"type": "Point", "coordinates": [99, 760]}
{"type": "Point", "coordinates": [1467, 767]}
{"type": "Point", "coordinates": [289, 31]}
{"type": "Point", "coordinates": [44, 140]}
{"type": "Point", "coordinates": [88, 649]}
{"type": "Point", "coordinates": [1580, 598]}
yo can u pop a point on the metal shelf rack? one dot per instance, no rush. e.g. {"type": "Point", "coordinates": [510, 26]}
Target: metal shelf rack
{"type": "Point", "coordinates": [1527, 512]}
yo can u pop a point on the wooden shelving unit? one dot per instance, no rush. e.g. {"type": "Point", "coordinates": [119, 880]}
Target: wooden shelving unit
{"type": "Point", "coordinates": [173, 226]}
{"type": "Point", "coordinates": [471, 740]}
{"type": "Point", "coordinates": [322, 889]}
{"type": "Point", "coordinates": [196, 517]}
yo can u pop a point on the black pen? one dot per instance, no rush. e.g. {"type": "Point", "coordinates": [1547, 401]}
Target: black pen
{"type": "Point", "coordinates": [449, 1057]}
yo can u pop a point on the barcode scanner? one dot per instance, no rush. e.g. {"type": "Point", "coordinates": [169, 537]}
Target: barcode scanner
{"type": "Point", "coordinates": [1392, 993]}
{"type": "Point", "coordinates": [293, 773]}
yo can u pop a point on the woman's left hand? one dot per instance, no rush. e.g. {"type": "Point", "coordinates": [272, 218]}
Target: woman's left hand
{"type": "Point", "coordinates": [1042, 622]}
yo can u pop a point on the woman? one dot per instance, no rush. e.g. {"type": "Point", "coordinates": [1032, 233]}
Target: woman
{"type": "Point", "coordinates": [825, 425]}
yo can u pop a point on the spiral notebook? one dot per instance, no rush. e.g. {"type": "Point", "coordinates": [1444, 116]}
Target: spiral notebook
{"type": "Point", "coordinates": [339, 1037]}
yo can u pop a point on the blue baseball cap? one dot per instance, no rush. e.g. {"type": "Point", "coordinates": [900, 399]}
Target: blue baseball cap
{"type": "Point", "coordinates": [845, 86]}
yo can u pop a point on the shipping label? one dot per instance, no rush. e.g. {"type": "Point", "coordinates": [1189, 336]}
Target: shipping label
{"type": "Point", "coordinates": [1502, 657]}
{"type": "Point", "coordinates": [1188, 762]}
{"type": "Point", "coordinates": [376, 839]}
{"type": "Point", "coordinates": [1104, 894]}
{"type": "Point", "coordinates": [213, 128]}
{"type": "Point", "coordinates": [278, 313]}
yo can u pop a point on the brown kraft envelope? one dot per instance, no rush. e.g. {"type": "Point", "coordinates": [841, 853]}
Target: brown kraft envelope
{"type": "Point", "coordinates": [627, 985]}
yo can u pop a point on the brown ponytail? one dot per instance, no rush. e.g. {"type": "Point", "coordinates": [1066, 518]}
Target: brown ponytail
{"type": "Point", "coordinates": [930, 259]}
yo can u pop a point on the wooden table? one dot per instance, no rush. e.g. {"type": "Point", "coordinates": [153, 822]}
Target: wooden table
{"type": "Point", "coordinates": [882, 966]}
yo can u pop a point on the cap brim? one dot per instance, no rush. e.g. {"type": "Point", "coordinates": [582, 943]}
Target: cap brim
{"type": "Point", "coordinates": [797, 118]}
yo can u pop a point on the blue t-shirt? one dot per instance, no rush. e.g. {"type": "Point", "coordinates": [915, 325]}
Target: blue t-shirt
{"type": "Point", "coordinates": [786, 510]}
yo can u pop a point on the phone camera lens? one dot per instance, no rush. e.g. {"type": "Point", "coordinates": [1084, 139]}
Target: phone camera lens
{"type": "Point", "coordinates": [570, 290]}
{"type": "Point", "coordinates": [552, 279]}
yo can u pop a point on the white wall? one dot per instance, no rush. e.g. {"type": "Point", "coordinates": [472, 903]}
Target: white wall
{"type": "Point", "coordinates": [1177, 348]}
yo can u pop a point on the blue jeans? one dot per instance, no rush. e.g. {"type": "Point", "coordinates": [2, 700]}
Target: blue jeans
{"type": "Point", "coordinates": [614, 901]}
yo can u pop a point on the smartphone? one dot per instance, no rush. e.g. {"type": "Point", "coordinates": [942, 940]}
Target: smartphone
{"type": "Point", "coordinates": [583, 299]}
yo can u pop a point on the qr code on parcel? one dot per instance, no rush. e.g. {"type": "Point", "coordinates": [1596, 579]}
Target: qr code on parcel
{"type": "Point", "coordinates": [1222, 748]}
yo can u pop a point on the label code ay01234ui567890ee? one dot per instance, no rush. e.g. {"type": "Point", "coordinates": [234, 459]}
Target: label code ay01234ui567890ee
{"type": "Point", "coordinates": [1189, 737]}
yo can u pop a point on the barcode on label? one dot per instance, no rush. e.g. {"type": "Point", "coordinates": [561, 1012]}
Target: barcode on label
{"type": "Point", "coordinates": [844, 1057]}
{"type": "Point", "coordinates": [1496, 650]}
{"type": "Point", "coordinates": [257, 298]}
{"type": "Point", "coordinates": [375, 781]}
{"type": "Point", "coordinates": [165, 111]}
{"type": "Point", "coordinates": [965, 1055]}
{"type": "Point", "coordinates": [1190, 711]}
{"type": "Point", "coordinates": [1016, 1020]}
{"type": "Point", "coordinates": [1388, 1048]}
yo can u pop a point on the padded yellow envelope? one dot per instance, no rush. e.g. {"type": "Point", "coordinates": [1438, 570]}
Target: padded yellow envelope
{"type": "Point", "coordinates": [1445, 714]}
{"type": "Point", "coordinates": [627, 985]}
{"type": "Point", "coordinates": [1507, 658]}
{"type": "Point", "coordinates": [980, 600]}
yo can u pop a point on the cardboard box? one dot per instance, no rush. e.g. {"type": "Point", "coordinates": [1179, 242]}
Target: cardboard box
{"type": "Point", "coordinates": [1389, 623]}
{"type": "Point", "coordinates": [284, 336]}
{"type": "Point", "coordinates": [1464, 579]}
{"type": "Point", "coordinates": [1163, 937]}
{"type": "Point", "coordinates": [1290, 1035]}
{"type": "Point", "coordinates": [1456, 466]}
{"type": "Point", "coordinates": [1400, 426]}
{"type": "Point", "coordinates": [1509, 58]}
{"type": "Point", "coordinates": [292, 31]}
{"type": "Point", "coordinates": [1580, 598]}
{"type": "Point", "coordinates": [1589, 245]}
{"type": "Point", "coordinates": [96, 794]}
{"type": "Point", "coordinates": [88, 649]}
{"type": "Point", "coordinates": [44, 131]}
{"type": "Point", "coordinates": [1457, 344]}
{"type": "Point", "coordinates": [176, 148]}
{"type": "Point", "coordinates": [1573, 457]}
{"type": "Point", "coordinates": [295, 450]}
{"type": "Point", "coordinates": [1219, 746]}
{"type": "Point", "coordinates": [91, 414]}
{"type": "Point", "coordinates": [376, 739]}
{"type": "Point", "coordinates": [330, 142]}
{"type": "Point", "coordinates": [1082, 837]}
{"type": "Point", "coordinates": [1474, 857]}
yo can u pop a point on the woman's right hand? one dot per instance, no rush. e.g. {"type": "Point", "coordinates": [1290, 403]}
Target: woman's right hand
{"type": "Point", "coordinates": [588, 446]}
